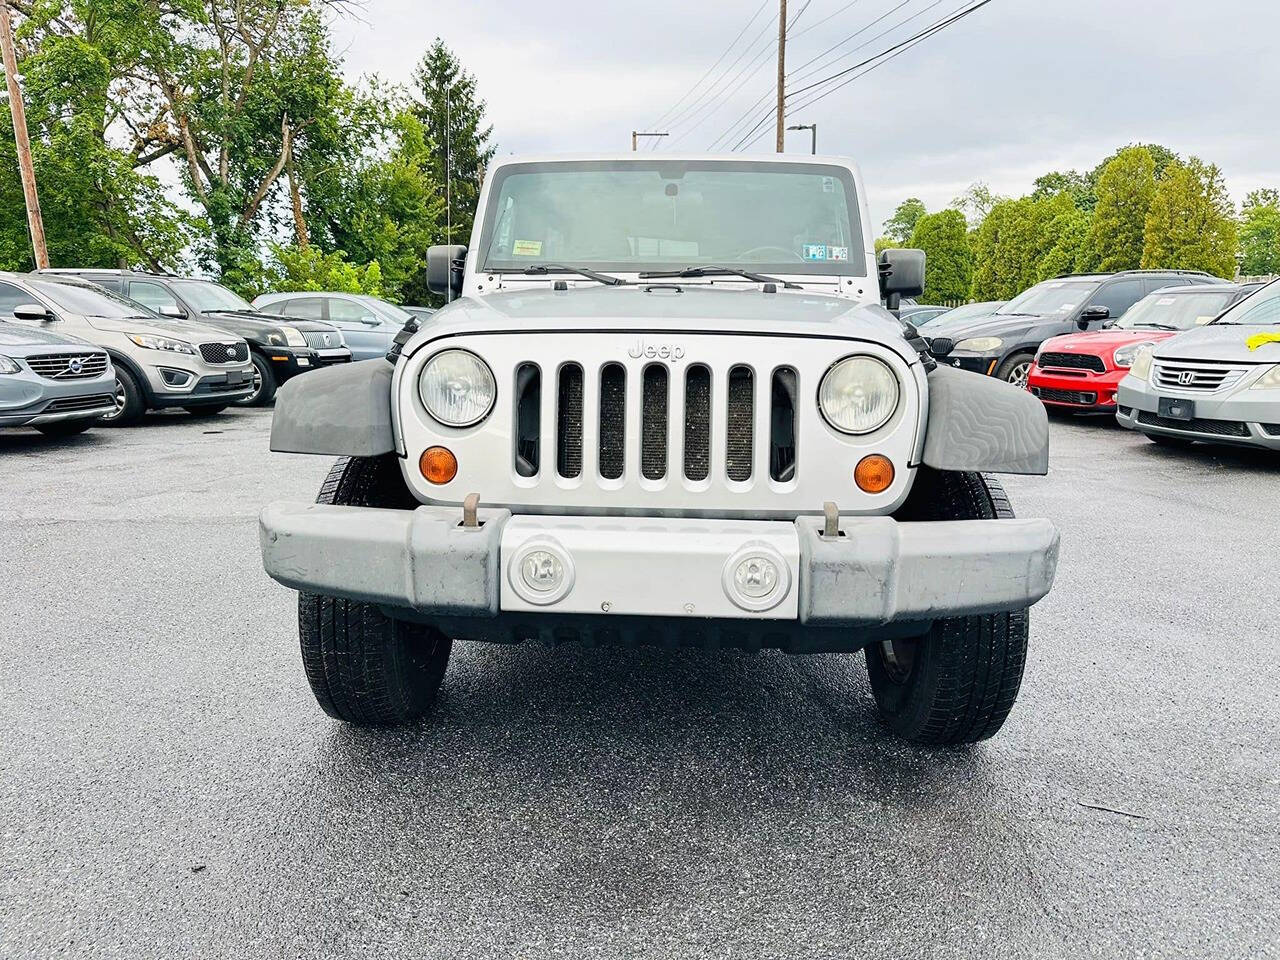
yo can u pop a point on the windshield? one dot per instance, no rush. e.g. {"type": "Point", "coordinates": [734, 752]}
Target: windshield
{"type": "Point", "coordinates": [1052, 296]}
{"type": "Point", "coordinates": [1262, 307]}
{"type": "Point", "coordinates": [1175, 311]}
{"type": "Point", "coordinates": [89, 301]}
{"type": "Point", "coordinates": [636, 216]}
{"type": "Point", "coordinates": [388, 311]}
{"type": "Point", "coordinates": [205, 295]}
{"type": "Point", "coordinates": [971, 310]}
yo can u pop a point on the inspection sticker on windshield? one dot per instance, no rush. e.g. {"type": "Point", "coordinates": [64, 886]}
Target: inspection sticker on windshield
{"type": "Point", "coordinates": [815, 251]}
{"type": "Point", "coordinates": [527, 248]}
{"type": "Point", "coordinates": [1165, 301]}
{"type": "Point", "coordinates": [838, 253]}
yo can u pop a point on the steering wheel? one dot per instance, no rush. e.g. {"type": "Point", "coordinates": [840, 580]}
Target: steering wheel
{"type": "Point", "coordinates": [786, 254]}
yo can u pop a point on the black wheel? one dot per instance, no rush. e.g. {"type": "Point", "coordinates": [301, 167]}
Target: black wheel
{"type": "Point", "coordinates": [264, 384]}
{"type": "Point", "coordinates": [1016, 368]}
{"type": "Point", "coordinates": [130, 403]}
{"type": "Point", "coordinates": [363, 666]}
{"type": "Point", "coordinates": [1161, 440]}
{"type": "Point", "coordinates": [66, 428]}
{"type": "Point", "coordinates": [957, 683]}
{"type": "Point", "coordinates": [206, 411]}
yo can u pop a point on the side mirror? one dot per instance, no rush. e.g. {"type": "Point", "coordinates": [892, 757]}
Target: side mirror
{"type": "Point", "coordinates": [33, 311]}
{"type": "Point", "coordinates": [1092, 314]}
{"type": "Point", "coordinates": [175, 312]}
{"type": "Point", "coordinates": [901, 275]}
{"type": "Point", "coordinates": [445, 264]}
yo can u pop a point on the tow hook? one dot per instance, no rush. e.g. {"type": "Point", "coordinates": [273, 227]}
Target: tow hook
{"type": "Point", "coordinates": [469, 507]}
{"type": "Point", "coordinates": [831, 521]}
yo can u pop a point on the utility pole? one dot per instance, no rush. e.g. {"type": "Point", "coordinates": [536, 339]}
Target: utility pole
{"type": "Point", "coordinates": [637, 134]}
{"type": "Point", "coordinates": [34, 220]}
{"type": "Point", "coordinates": [813, 130]}
{"type": "Point", "coordinates": [782, 72]}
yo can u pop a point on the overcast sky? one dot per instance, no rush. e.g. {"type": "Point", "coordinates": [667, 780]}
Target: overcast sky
{"type": "Point", "coordinates": [1018, 88]}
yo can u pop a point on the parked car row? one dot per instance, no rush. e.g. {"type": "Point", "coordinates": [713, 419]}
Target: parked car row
{"type": "Point", "coordinates": [83, 346]}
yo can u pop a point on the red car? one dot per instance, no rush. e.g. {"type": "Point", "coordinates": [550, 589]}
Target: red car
{"type": "Point", "coordinates": [1080, 371]}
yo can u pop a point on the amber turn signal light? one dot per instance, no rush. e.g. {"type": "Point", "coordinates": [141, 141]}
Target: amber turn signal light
{"type": "Point", "coordinates": [438, 464]}
{"type": "Point", "coordinates": [874, 474]}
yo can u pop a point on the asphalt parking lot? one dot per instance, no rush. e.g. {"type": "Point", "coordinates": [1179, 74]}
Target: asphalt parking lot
{"type": "Point", "coordinates": [169, 787]}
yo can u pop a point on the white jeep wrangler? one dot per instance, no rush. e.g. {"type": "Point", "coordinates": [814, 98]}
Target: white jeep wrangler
{"type": "Point", "coordinates": [665, 404]}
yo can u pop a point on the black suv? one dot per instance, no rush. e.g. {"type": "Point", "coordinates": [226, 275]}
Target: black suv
{"type": "Point", "coordinates": [278, 350]}
{"type": "Point", "coordinates": [1003, 344]}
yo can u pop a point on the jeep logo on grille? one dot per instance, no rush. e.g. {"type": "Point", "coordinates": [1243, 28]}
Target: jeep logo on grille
{"type": "Point", "coordinates": [655, 351]}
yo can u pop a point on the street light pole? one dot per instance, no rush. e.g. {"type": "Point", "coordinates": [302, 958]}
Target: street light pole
{"type": "Point", "coordinates": [34, 221]}
{"type": "Point", "coordinates": [813, 131]}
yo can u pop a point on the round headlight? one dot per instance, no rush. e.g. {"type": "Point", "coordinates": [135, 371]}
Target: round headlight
{"type": "Point", "coordinates": [457, 388]}
{"type": "Point", "coordinates": [858, 395]}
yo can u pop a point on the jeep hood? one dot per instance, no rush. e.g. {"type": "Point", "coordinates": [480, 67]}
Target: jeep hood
{"type": "Point", "coordinates": [1218, 341]}
{"type": "Point", "coordinates": [661, 308]}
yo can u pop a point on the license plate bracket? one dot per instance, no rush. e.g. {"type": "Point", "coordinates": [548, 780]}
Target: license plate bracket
{"type": "Point", "coordinates": [1175, 408]}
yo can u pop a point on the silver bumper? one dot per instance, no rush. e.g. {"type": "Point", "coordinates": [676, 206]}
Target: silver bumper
{"type": "Point", "coordinates": [1242, 416]}
{"type": "Point", "coordinates": [877, 571]}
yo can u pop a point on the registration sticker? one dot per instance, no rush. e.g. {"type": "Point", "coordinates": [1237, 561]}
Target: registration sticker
{"type": "Point", "coordinates": [527, 248]}
{"type": "Point", "coordinates": [1165, 301]}
{"type": "Point", "coordinates": [815, 251]}
{"type": "Point", "coordinates": [838, 253]}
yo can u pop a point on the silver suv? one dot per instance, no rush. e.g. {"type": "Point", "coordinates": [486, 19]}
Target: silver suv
{"type": "Point", "coordinates": [158, 362]}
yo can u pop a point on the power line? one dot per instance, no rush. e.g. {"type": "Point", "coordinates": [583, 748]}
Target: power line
{"type": "Point", "coordinates": [884, 16]}
{"type": "Point", "coordinates": [866, 43]}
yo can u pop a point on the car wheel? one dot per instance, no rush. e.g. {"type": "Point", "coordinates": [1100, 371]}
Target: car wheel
{"type": "Point", "coordinates": [1016, 369]}
{"type": "Point", "coordinates": [957, 683]}
{"type": "Point", "coordinates": [363, 666]}
{"type": "Point", "coordinates": [66, 428]}
{"type": "Point", "coordinates": [264, 384]}
{"type": "Point", "coordinates": [206, 411]}
{"type": "Point", "coordinates": [130, 404]}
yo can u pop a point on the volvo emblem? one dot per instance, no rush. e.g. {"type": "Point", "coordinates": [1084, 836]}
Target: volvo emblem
{"type": "Point", "coordinates": [656, 351]}
{"type": "Point", "coordinates": [75, 365]}
{"type": "Point", "coordinates": [1187, 377]}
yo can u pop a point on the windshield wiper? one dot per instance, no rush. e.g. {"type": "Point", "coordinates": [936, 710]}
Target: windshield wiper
{"type": "Point", "coordinates": [715, 271]}
{"type": "Point", "coordinates": [541, 269]}
{"type": "Point", "coordinates": [1157, 326]}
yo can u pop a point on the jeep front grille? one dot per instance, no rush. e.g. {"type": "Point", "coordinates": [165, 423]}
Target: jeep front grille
{"type": "Point", "coordinates": [69, 366]}
{"type": "Point", "coordinates": [1199, 375]}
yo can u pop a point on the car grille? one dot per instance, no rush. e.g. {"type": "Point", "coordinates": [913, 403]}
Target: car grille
{"type": "Point", "coordinates": [1085, 398]}
{"type": "Point", "coordinates": [1072, 361]}
{"type": "Point", "coordinates": [1199, 375]}
{"type": "Point", "coordinates": [1217, 428]}
{"type": "Point", "coordinates": [941, 346]}
{"type": "Point", "coordinates": [68, 404]}
{"type": "Point", "coordinates": [323, 340]}
{"type": "Point", "coordinates": [62, 366]}
{"type": "Point", "coordinates": [229, 352]}
{"type": "Point", "coordinates": [1271, 429]}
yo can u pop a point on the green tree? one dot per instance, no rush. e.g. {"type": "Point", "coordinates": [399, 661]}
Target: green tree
{"type": "Point", "coordinates": [1017, 243]}
{"type": "Point", "coordinates": [455, 132]}
{"type": "Point", "coordinates": [1068, 251]}
{"type": "Point", "coordinates": [1260, 233]}
{"type": "Point", "coordinates": [1079, 186]}
{"type": "Point", "coordinates": [898, 228]}
{"type": "Point", "coordinates": [1190, 223]}
{"type": "Point", "coordinates": [307, 268]}
{"type": "Point", "coordinates": [1125, 189]}
{"type": "Point", "coordinates": [976, 202]}
{"type": "Point", "coordinates": [944, 239]}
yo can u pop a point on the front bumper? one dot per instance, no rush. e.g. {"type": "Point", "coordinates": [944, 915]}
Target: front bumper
{"type": "Point", "coordinates": [876, 572]}
{"type": "Point", "coordinates": [287, 362]}
{"type": "Point", "coordinates": [983, 363]}
{"type": "Point", "coordinates": [217, 388]}
{"type": "Point", "coordinates": [1087, 393]}
{"type": "Point", "coordinates": [1249, 418]}
{"type": "Point", "coordinates": [30, 400]}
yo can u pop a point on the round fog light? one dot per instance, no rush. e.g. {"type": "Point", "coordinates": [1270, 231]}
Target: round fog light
{"type": "Point", "coordinates": [756, 577]}
{"type": "Point", "coordinates": [541, 572]}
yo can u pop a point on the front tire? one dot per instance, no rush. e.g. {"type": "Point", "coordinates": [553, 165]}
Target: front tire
{"type": "Point", "coordinates": [957, 683]}
{"type": "Point", "coordinates": [365, 667]}
{"type": "Point", "coordinates": [1016, 369]}
{"type": "Point", "coordinates": [130, 403]}
{"type": "Point", "coordinates": [264, 384]}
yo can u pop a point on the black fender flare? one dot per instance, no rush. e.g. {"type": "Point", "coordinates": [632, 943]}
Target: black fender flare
{"type": "Point", "coordinates": [981, 423]}
{"type": "Point", "coordinates": [340, 411]}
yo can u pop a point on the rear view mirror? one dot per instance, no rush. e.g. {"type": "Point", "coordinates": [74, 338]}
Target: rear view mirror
{"type": "Point", "coordinates": [445, 264]}
{"type": "Point", "coordinates": [175, 312]}
{"type": "Point", "coordinates": [901, 275]}
{"type": "Point", "coordinates": [32, 311]}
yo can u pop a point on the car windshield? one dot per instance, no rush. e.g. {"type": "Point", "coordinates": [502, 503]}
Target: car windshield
{"type": "Point", "coordinates": [89, 301]}
{"type": "Point", "coordinates": [1052, 296]}
{"type": "Point", "coordinates": [1175, 311]}
{"type": "Point", "coordinates": [388, 311]}
{"type": "Point", "coordinates": [971, 310]}
{"type": "Point", "coordinates": [652, 215]}
{"type": "Point", "coordinates": [1262, 307]}
{"type": "Point", "coordinates": [205, 295]}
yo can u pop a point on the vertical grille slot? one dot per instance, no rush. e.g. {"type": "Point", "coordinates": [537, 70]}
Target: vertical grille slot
{"type": "Point", "coordinates": [782, 425]}
{"type": "Point", "coordinates": [697, 423]}
{"type": "Point", "coordinates": [740, 422]}
{"type": "Point", "coordinates": [528, 419]}
{"type": "Point", "coordinates": [653, 423]}
{"type": "Point", "coordinates": [569, 422]}
{"type": "Point", "coordinates": [613, 428]}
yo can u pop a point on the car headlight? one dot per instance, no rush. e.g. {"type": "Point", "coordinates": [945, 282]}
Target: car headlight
{"type": "Point", "coordinates": [1268, 381]}
{"type": "Point", "coordinates": [161, 343]}
{"type": "Point", "coordinates": [1140, 367]}
{"type": "Point", "coordinates": [858, 395]}
{"type": "Point", "coordinates": [1124, 356]}
{"type": "Point", "coordinates": [980, 344]}
{"type": "Point", "coordinates": [7, 365]}
{"type": "Point", "coordinates": [293, 337]}
{"type": "Point", "coordinates": [457, 388]}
